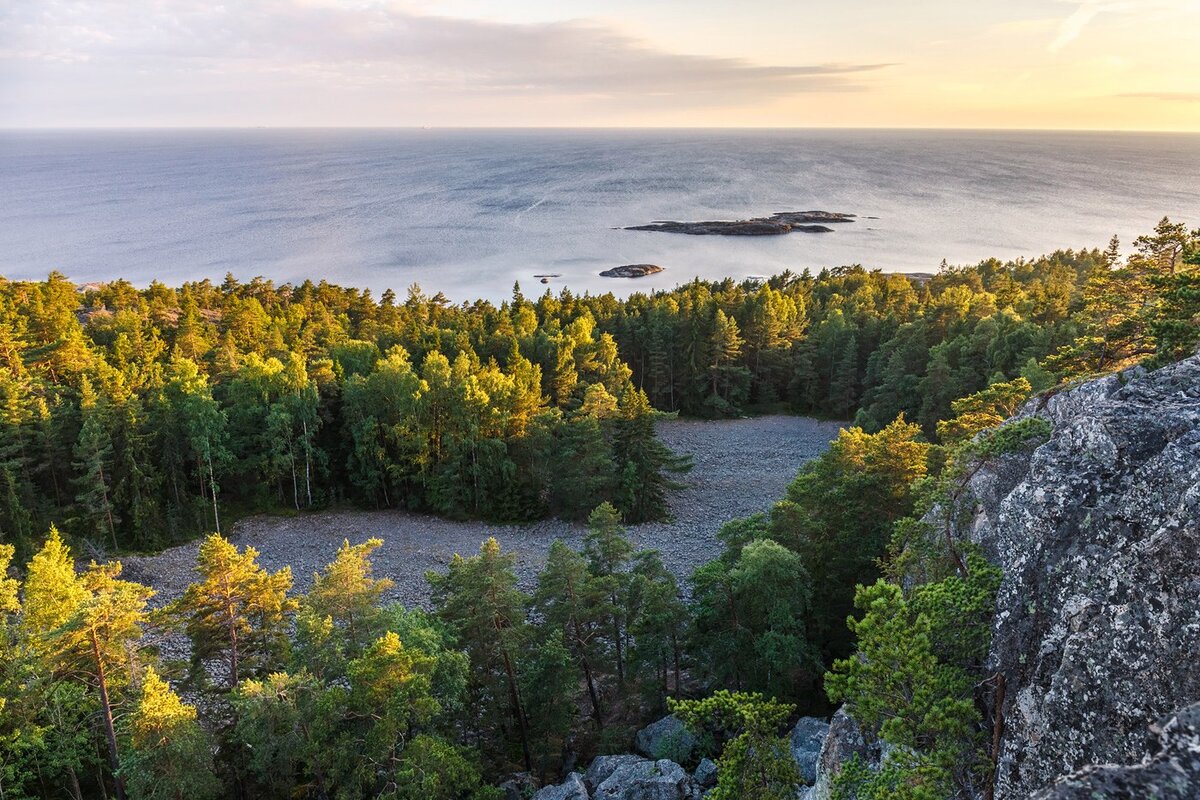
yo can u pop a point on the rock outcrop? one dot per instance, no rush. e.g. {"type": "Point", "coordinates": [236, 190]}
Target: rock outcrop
{"type": "Point", "coordinates": [626, 777]}
{"type": "Point", "coordinates": [1097, 631]}
{"type": "Point", "coordinates": [1098, 534]}
{"type": "Point", "coordinates": [632, 271]}
{"type": "Point", "coordinates": [844, 741]}
{"type": "Point", "coordinates": [570, 789]}
{"type": "Point", "coordinates": [1171, 771]}
{"type": "Point", "coordinates": [774, 225]}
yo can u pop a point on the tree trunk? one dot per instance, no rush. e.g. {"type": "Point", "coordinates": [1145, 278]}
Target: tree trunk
{"type": "Point", "coordinates": [110, 732]}
{"type": "Point", "coordinates": [212, 481]}
{"type": "Point", "coordinates": [675, 654]}
{"type": "Point", "coordinates": [514, 694]}
{"type": "Point", "coordinates": [587, 674]}
{"type": "Point", "coordinates": [112, 528]}
{"type": "Point", "coordinates": [307, 464]}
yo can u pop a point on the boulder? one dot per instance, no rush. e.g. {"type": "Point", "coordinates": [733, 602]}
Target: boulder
{"type": "Point", "coordinates": [705, 773]}
{"type": "Point", "coordinates": [603, 766]}
{"type": "Point", "coordinates": [572, 788]}
{"type": "Point", "coordinates": [520, 786]}
{"type": "Point", "coordinates": [666, 738]}
{"type": "Point", "coordinates": [807, 739]}
{"type": "Point", "coordinates": [844, 741]}
{"type": "Point", "coordinates": [648, 780]}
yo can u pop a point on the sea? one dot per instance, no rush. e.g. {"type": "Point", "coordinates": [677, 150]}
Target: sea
{"type": "Point", "coordinates": [469, 212]}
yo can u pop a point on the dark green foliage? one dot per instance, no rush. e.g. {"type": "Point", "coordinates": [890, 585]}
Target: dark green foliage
{"type": "Point", "coordinates": [751, 616]}
{"type": "Point", "coordinates": [755, 761]}
{"type": "Point", "coordinates": [912, 682]}
{"type": "Point", "coordinates": [838, 516]}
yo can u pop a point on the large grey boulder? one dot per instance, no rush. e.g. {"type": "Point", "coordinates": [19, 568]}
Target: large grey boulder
{"type": "Point", "coordinates": [807, 739]}
{"type": "Point", "coordinates": [1171, 771]}
{"type": "Point", "coordinates": [844, 741]}
{"type": "Point", "coordinates": [648, 780]}
{"type": "Point", "coordinates": [570, 789]}
{"type": "Point", "coordinates": [666, 738]}
{"type": "Point", "coordinates": [1097, 532]}
{"type": "Point", "coordinates": [603, 766]}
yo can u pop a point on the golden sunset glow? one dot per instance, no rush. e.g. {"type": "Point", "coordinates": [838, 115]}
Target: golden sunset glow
{"type": "Point", "coordinates": [1078, 64]}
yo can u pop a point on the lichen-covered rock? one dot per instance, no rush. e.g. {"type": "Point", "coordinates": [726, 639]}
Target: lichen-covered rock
{"type": "Point", "coordinates": [807, 739]}
{"type": "Point", "coordinates": [705, 773]}
{"type": "Point", "coordinates": [1171, 771]}
{"type": "Point", "coordinates": [1098, 534]}
{"type": "Point", "coordinates": [570, 789]}
{"type": "Point", "coordinates": [520, 786]}
{"type": "Point", "coordinates": [603, 766]}
{"type": "Point", "coordinates": [648, 780]}
{"type": "Point", "coordinates": [843, 742]}
{"type": "Point", "coordinates": [666, 738]}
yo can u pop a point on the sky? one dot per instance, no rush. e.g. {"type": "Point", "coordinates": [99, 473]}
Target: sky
{"type": "Point", "coordinates": [1041, 64]}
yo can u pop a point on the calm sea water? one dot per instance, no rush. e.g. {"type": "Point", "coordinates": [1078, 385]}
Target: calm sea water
{"type": "Point", "coordinates": [469, 212]}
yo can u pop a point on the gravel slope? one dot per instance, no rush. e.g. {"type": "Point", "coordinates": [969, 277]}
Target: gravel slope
{"type": "Point", "coordinates": [741, 466]}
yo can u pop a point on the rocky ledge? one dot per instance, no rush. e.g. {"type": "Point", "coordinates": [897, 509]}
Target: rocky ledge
{"type": "Point", "coordinates": [774, 225]}
{"type": "Point", "coordinates": [1097, 628]}
{"type": "Point", "coordinates": [631, 271]}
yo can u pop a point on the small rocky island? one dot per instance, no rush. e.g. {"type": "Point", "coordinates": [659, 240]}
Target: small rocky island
{"type": "Point", "coordinates": [774, 225]}
{"type": "Point", "coordinates": [631, 271]}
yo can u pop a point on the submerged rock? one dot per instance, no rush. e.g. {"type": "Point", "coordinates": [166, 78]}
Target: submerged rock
{"type": "Point", "coordinates": [631, 271]}
{"type": "Point", "coordinates": [774, 225]}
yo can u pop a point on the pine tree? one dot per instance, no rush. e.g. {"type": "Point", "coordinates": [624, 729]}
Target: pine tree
{"type": "Point", "coordinates": [237, 611]}
{"type": "Point", "coordinates": [52, 590]}
{"type": "Point", "coordinates": [569, 599]}
{"type": "Point", "coordinates": [478, 599]}
{"type": "Point", "coordinates": [99, 644]}
{"type": "Point", "coordinates": [170, 755]}
{"type": "Point", "coordinates": [607, 552]}
{"type": "Point", "coordinates": [755, 760]}
{"type": "Point", "coordinates": [340, 615]}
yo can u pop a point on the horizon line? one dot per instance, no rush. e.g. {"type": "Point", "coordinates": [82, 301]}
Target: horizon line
{"type": "Point", "coordinates": [253, 127]}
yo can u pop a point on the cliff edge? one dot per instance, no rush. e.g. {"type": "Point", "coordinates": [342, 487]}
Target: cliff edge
{"type": "Point", "coordinates": [1097, 631]}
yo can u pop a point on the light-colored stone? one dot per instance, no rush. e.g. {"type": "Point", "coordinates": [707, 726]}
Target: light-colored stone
{"type": "Point", "coordinates": [666, 738]}
{"type": "Point", "coordinates": [570, 789]}
{"type": "Point", "coordinates": [648, 780]}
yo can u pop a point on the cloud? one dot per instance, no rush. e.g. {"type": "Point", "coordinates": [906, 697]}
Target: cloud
{"type": "Point", "coordinates": [1171, 97]}
{"type": "Point", "coordinates": [386, 45]}
{"type": "Point", "coordinates": [1072, 27]}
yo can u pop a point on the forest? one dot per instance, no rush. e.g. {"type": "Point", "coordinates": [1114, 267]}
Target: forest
{"type": "Point", "coordinates": [138, 418]}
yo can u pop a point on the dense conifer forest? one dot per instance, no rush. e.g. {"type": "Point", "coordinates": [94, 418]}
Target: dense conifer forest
{"type": "Point", "coordinates": [135, 418]}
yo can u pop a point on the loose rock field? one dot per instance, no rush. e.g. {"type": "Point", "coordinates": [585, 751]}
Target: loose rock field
{"type": "Point", "coordinates": [741, 466]}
